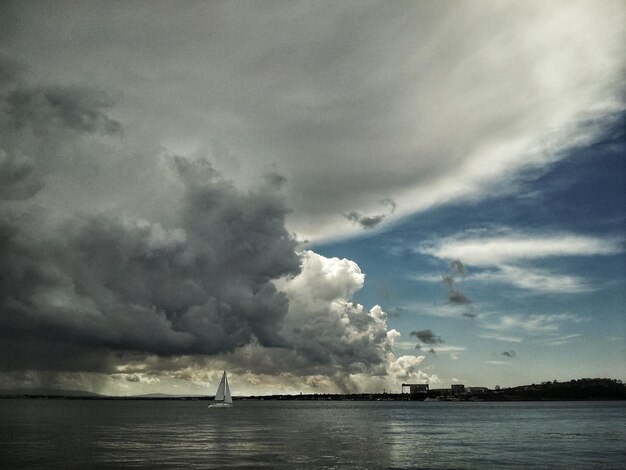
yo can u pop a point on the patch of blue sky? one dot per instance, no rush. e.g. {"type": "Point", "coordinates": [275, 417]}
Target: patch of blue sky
{"type": "Point", "coordinates": [581, 195]}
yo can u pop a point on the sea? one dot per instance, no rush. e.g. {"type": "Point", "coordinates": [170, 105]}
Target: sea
{"type": "Point", "coordinates": [159, 434]}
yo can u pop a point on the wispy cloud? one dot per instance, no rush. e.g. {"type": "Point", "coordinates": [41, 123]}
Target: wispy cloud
{"type": "Point", "coordinates": [404, 345]}
{"type": "Point", "coordinates": [563, 339]}
{"type": "Point", "coordinates": [444, 310]}
{"type": "Point", "coordinates": [538, 323]}
{"type": "Point", "coordinates": [434, 344]}
{"type": "Point", "coordinates": [505, 256]}
{"type": "Point", "coordinates": [535, 279]}
{"type": "Point", "coordinates": [512, 247]}
{"type": "Point", "coordinates": [499, 337]}
{"type": "Point", "coordinates": [450, 350]}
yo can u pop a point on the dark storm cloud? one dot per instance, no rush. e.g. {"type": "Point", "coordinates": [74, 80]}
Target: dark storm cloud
{"type": "Point", "coordinates": [427, 337]}
{"type": "Point", "coordinates": [420, 347]}
{"type": "Point", "coordinates": [203, 287]}
{"type": "Point", "coordinates": [510, 353]}
{"type": "Point", "coordinates": [97, 283]}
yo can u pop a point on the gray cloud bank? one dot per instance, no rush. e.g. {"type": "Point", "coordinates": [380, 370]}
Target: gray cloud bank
{"type": "Point", "coordinates": [198, 283]}
{"type": "Point", "coordinates": [353, 101]}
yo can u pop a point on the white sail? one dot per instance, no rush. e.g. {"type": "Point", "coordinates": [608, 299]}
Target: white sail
{"type": "Point", "coordinates": [222, 396]}
{"type": "Point", "coordinates": [227, 397]}
{"type": "Point", "coordinates": [219, 395]}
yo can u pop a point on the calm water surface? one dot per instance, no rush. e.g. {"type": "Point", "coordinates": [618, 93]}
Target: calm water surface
{"type": "Point", "coordinates": [311, 435]}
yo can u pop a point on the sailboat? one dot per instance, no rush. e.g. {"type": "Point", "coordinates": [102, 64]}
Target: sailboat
{"type": "Point", "coordinates": [222, 396]}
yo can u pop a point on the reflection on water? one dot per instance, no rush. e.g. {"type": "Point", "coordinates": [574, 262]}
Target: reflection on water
{"type": "Point", "coordinates": [180, 434]}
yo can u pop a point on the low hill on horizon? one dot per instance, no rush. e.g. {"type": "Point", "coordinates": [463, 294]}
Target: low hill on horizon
{"type": "Point", "coordinates": [48, 392]}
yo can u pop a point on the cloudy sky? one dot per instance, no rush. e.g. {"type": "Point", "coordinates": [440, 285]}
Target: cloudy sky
{"type": "Point", "coordinates": [316, 196]}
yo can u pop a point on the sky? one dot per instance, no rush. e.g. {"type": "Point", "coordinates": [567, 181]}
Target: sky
{"type": "Point", "coordinates": [332, 196]}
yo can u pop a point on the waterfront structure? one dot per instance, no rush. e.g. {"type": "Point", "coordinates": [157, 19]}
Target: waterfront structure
{"type": "Point", "coordinates": [415, 388]}
{"type": "Point", "coordinates": [457, 389]}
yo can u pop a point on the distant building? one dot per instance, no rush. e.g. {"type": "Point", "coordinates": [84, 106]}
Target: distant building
{"type": "Point", "coordinates": [416, 388]}
{"type": "Point", "coordinates": [478, 390]}
{"type": "Point", "coordinates": [457, 388]}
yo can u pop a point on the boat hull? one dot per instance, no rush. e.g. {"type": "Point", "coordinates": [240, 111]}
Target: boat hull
{"type": "Point", "coordinates": [220, 405]}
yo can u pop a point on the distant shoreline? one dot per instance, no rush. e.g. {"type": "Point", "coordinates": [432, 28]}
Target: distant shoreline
{"type": "Point", "coordinates": [574, 390]}
{"type": "Point", "coordinates": [321, 397]}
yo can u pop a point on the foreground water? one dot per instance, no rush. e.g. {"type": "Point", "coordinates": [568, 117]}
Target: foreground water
{"type": "Point", "coordinates": [311, 435]}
